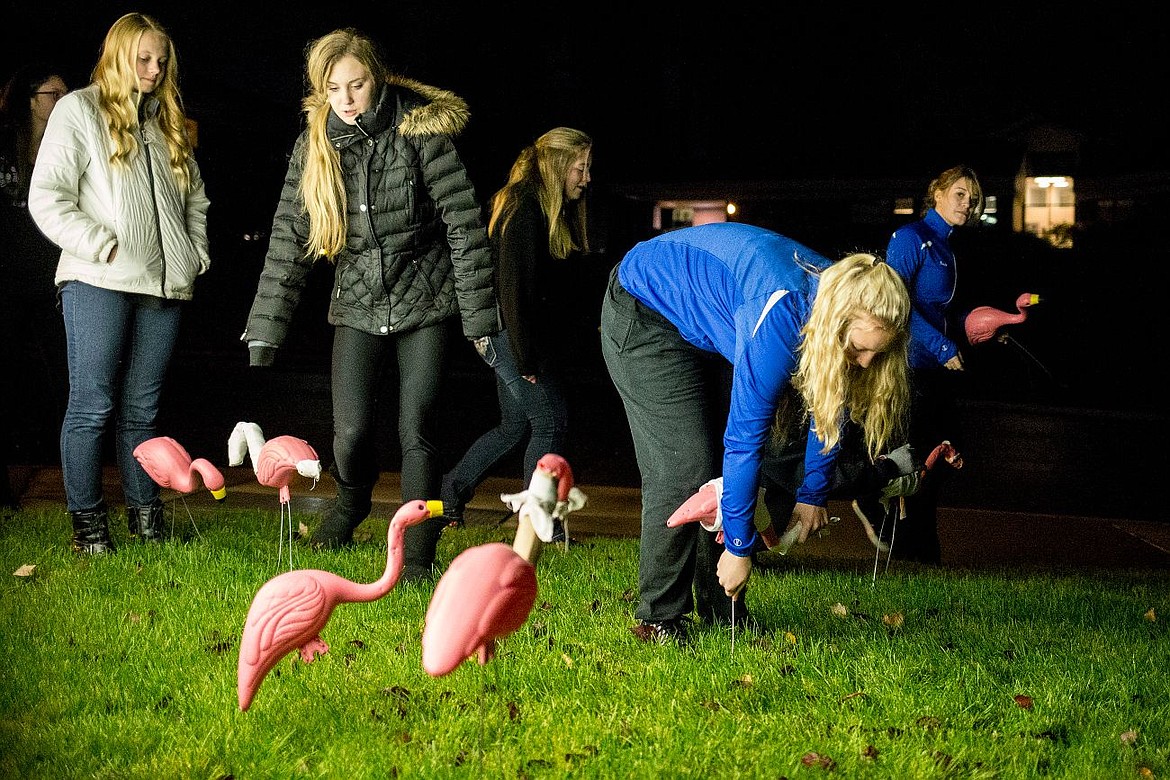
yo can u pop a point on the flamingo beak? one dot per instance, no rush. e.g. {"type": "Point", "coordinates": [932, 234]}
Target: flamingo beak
{"type": "Point", "coordinates": [435, 508]}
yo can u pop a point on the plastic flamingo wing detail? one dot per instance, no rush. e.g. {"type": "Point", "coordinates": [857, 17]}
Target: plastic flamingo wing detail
{"type": "Point", "coordinates": [486, 594]}
{"type": "Point", "coordinates": [287, 613]}
{"type": "Point", "coordinates": [285, 457]}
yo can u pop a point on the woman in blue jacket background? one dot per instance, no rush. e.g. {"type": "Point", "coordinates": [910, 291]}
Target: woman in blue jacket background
{"type": "Point", "coordinates": [921, 254]}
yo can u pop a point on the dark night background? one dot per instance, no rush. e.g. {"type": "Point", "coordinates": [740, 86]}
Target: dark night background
{"type": "Point", "coordinates": [753, 90]}
{"type": "Point", "coordinates": [750, 92]}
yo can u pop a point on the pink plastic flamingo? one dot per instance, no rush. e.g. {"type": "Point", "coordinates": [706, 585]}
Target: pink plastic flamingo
{"type": "Point", "coordinates": [488, 591]}
{"type": "Point", "coordinates": [168, 464]}
{"type": "Point", "coordinates": [485, 594]}
{"type": "Point", "coordinates": [984, 323]}
{"type": "Point", "coordinates": [276, 462]}
{"type": "Point", "coordinates": [290, 610]}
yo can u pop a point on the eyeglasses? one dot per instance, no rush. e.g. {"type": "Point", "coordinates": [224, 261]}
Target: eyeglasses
{"type": "Point", "coordinates": [56, 94]}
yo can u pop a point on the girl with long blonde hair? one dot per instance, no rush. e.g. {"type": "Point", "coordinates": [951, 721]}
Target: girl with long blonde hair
{"type": "Point", "coordinates": [117, 188]}
{"type": "Point", "coordinates": [538, 221]}
{"type": "Point", "coordinates": [376, 186]}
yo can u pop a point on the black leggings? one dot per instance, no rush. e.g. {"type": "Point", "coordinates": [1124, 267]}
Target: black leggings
{"type": "Point", "coordinates": [358, 362]}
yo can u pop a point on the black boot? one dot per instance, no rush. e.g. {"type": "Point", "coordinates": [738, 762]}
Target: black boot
{"type": "Point", "coordinates": [146, 522]}
{"type": "Point", "coordinates": [419, 545]}
{"type": "Point", "coordinates": [351, 507]}
{"type": "Point", "coordinates": [91, 532]}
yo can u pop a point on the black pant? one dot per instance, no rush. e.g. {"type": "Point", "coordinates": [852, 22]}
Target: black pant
{"type": "Point", "coordinates": [358, 362]}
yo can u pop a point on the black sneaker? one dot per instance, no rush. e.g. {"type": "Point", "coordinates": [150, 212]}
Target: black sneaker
{"type": "Point", "coordinates": [662, 632]}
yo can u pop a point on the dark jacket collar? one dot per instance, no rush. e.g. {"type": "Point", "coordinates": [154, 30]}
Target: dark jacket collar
{"type": "Point", "coordinates": [369, 123]}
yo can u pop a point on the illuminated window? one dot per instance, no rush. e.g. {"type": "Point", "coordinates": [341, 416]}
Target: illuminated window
{"type": "Point", "coordinates": [990, 207]}
{"type": "Point", "coordinates": [1050, 209]}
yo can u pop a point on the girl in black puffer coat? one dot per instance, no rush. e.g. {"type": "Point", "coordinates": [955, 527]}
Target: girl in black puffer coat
{"type": "Point", "coordinates": [375, 186]}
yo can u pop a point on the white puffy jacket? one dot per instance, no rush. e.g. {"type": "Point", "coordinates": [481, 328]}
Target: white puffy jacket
{"type": "Point", "coordinates": [86, 206]}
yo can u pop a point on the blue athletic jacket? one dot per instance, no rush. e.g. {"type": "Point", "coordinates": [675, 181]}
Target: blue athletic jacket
{"type": "Point", "coordinates": [921, 254]}
{"type": "Point", "coordinates": [745, 293]}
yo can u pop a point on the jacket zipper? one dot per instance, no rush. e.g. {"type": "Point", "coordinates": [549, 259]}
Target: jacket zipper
{"type": "Point", "coordinates": [154, 202]}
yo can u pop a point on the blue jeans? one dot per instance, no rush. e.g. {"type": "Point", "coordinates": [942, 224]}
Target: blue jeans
{"type": "Point", "coordinates": [536, 412]}
{"type": "Point", "coordinates": [674, 397]}
{"type": "Point", "coordinates": [118, 347]}
{"type": "Point", "coordinates": [358, 361]}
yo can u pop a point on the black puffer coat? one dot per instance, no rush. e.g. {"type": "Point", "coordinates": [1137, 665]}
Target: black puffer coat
{"type": "Point", "coordinates": [417, 249]}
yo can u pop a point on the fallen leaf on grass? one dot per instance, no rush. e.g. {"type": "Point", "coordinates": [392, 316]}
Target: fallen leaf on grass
{"type": "Point", "coordinates": [743, 682]}
{"type": "Point", "coordinates": [839, 610]}
{"type": "Point", "coordinates": [816, 759]}
{"type": "Point", "coordinates": [567, 661]}
{"type": "Point", "coordinates": [1024, 702]}
{"type": "Point", "coordinates": [28, 569]}
{"type": "Point", "coordinates": [790, 637]}
{"type": "Point", "coordinates": [1129, 737]}
{"type": "Point", "coordinates": [893, 620]}
{"type": "Point", "coordinates": [1151, 616]}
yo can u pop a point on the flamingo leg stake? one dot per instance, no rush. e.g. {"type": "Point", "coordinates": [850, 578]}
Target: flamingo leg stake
{"type": "Point", "coordinates": [286, 516]}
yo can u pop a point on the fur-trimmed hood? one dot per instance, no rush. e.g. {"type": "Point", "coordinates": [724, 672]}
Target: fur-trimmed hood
{"type": "Point", "coordinates": [444, 112]}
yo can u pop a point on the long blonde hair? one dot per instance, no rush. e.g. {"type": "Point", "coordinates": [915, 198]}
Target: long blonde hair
{"type": "Point", "coordinates": [116, 76]}
{"type": "Point", "coordinates": [544, 165]}
{"type": "Point", "coordinates": [878, 397]}
{"type": "Point", "coordinates": [322, 187]}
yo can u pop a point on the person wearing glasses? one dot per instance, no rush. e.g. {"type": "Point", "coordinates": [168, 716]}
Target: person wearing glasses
{"type": "Point", "coordinates": [33, 351]}
{"type": "Point", "coordinates": [117, 188]}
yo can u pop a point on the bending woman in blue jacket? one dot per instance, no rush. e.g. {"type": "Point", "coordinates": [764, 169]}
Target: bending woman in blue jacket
{"type": "Point", "coordinates": [678, 308]}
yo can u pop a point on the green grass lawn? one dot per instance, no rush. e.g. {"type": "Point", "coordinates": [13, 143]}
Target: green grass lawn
{"type": "Point", "coordinates": [124, 666]}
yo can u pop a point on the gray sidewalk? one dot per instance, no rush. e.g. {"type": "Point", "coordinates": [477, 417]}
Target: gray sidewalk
{"type": "Point", "coordinates": [971, 538]}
